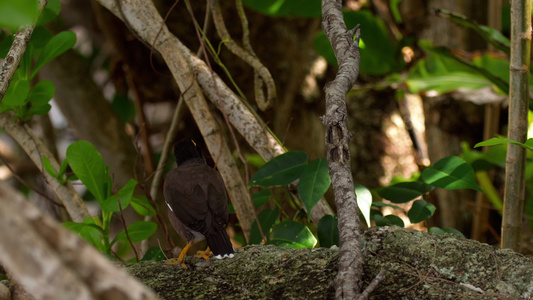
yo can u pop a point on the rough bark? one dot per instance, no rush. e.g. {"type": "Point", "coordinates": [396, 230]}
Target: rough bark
{"type": "Point", "coordinates": [420, 266]}
{"type": "Point", "coordinates": [51, 262]}
{"type": "Point", "coordinates": [48, 260]}
{"type": "Point", "coordinates": [348, 281]}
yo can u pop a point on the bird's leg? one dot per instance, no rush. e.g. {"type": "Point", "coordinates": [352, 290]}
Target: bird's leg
{"type": "Point", "coordinates": [203, 254]}
{"type": "Point", "coordinates": [181, 258]}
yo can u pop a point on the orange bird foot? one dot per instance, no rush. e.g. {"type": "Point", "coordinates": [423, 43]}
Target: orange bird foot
{"type": "Point", "coordinates": [181, 258]}
{"type": "Point", "coordinates": [175, 261]}
{"type": "Point", "coordinates": [203, 254]}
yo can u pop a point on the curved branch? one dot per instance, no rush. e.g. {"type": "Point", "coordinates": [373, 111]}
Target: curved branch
{"type": "Point", "coordinates": [348, 281]}
{"type": "Point", "coordinates": [247, 55]}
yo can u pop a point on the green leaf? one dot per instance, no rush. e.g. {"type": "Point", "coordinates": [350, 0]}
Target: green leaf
{"type": "Point", "coordinates": [39, 109]}
{"type": "Point", "coordinates": [124, 195]}
{"type": "Point", "coordinates": [267, 217]}
{"type": "Point", "coordinates": [420, 211]}
{"type": "Point", "coordinates": [138, 231]}
{"type": "Point", "coordinates": [39, 96]}
{"type": "Point", "coordinates": [382, 204]}
{"type": "Point", "coordinates": [48, 167]}
{"type": "Point", "coordinates": [443, 75]}
{"type": "Point", "coordinates": [451, 173]}
{"type": "Point", "coordinates": [89, 231]}
{"type": "Point", "coordinates": [123, 107]}
{"type": "Point", "coordinates": [261, 198]}
{"type": "Point", "coordinates": [499, 141]}
{"type": "Point", "coordinates": [292, 234]}
{"type": "Point", "coordinates": [63, 167]}
{"type": "Point", "coordinates": [364, 201]}
{"type": "Point", "coordinates": [142, 206]}
{"type": "Point", "coordinates": [388, 220]}
{"type": "Point", "coordinates": [58, 44]}
{"type": "Point", "coordinates": [280, 170]}
{"type": "Point", "coordinates": [50, 11]}
{"type": "Point", "coordinates": [155, 254]}
{"type": "Point", "coordinates": [491, 35]}
{"type": "Point", "coordinates": [437, 230]}
{"type": "Point", "coordinates": [16, 94]}
{"type": "Point", "coordinates": [42, 92]}
{"type": "Point", "coordinates": [14, 14]}
{"type": "Point", "coordinates": [39, 38]}
{"type": "Point", "coordinates": [255, 160]}
{"type": "Point", "coordinates": [404, 191]}
{"type": "Point", "coordinates": [314, 182]}
{"type": "Point", "coordinates": [328, 231]}
{"type": "Point", "coordinates": [284, 8]}
{"type": "Point", "coordinates": [89, 167]}
{"type": "Point", "coordinates": [442, 71]}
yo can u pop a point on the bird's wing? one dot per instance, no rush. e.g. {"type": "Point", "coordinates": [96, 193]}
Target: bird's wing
{"type": "Point", "coordinates": [187, 200]}
{"type": "Point", "coordinates": [218, 201]}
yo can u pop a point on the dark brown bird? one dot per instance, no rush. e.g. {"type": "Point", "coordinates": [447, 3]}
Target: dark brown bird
{"type": "Point", "coordinates": [198, 204]}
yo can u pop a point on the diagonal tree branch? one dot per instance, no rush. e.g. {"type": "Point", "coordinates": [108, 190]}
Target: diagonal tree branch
{"type": "Point", "coordinates": [346, 48]}
{"type": "Point", "coordinates": [13, 57]}
{"type": "Point", "coordinates": [35, 149]}
{"type": "Point", "coordinates": [51, 262]}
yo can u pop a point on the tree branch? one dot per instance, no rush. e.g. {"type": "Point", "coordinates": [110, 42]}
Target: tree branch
{"type": "Point", "coordinates": [35, 149]}
{"type": "Point", "coordinates": [13, 57]}
{"type": "Point", "coordinates": [246, 55]}
{"type": "Point", "coordinates": [51, 262]}
{"type": "Point", "coordinates": [420, 266]}
{"type": "Point", "coordinates": [348, 281]}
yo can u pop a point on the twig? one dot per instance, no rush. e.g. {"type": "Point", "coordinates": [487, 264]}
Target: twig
{"type": "Point", "coordinates": [373, 285]}
{"type": "Point", "coordinates": [143, 128]}
{"type": "Point", "coordinates": [21, 180]}
{"type": "Point", "coordinates": [126, 226]}
{"type": "Point", "coordinates": [207, 18]}
{"type": "Point", "coordinates": [258, 82]}
{"type": "Point", "coordinates": [159, 171]}
{"type": "Point", "coordinates": [143, 185]}
{"type": "Point", "coordinates": [248, 56]}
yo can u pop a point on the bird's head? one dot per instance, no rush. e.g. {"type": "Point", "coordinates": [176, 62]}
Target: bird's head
{"type": "Point", "coordinates": [186, 150]}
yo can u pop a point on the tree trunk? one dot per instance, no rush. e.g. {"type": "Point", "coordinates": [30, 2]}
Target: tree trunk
{"type": "Point", "coordinates": [419, 266]}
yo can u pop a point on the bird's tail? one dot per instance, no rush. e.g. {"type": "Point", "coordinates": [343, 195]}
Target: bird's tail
{"type": "Point", "coordinates": [220, 244]}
